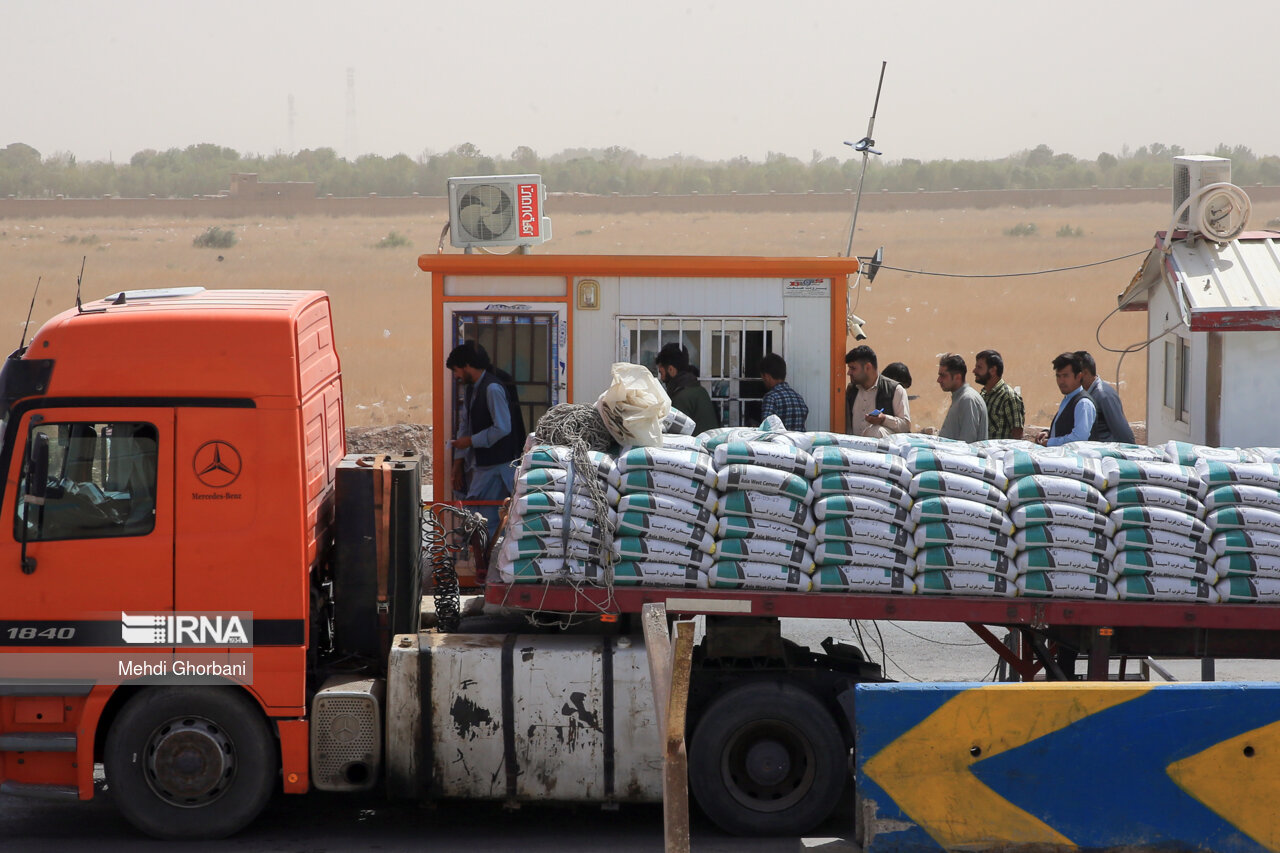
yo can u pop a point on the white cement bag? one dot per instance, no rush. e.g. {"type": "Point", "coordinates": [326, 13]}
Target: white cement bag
{"type": "Point", "coordinates": [552, 524]}
{"type": "Point", "coordinates": [538, 503]}
{"type": "Point", "coordinates": [1263, 474]}
{"type": "Point", "coordinates": [1025, 463]}
{"type": "Point", "coordinates": [1064, 536]}
{"type": "Point", "coordinates": [769, 481]}
{"type": "Point", "coordinates": [1247, 518]}
{"type": "Point", "coordinates": [862, 486]}
{"type": "Point", "coordinates": [660, 551]}
{"type": "Point", "coordinates": [1248, 590]}
{"type": "Point", "coordinates": [1184, 453]}
{"type": "Point", "coordinates": [862, 579]}
{"type": "Point", "coordinates": [1161, 588]}
{"type": "Point", "coordinates": [767, 454]}
{"type": "Point", "coordinates": [634, 406]}
{"type": "Point", "coordinates": [689, 465]}
{"type": "Point", "coordinates": [1033, 514]}
{"type": "Point", "coordinates": [1000, 448]}
{"type": "Point", "coordinates": [681, 442]}
{"type": "Point", "coordinates": [547, 569]}
{"type": "Point", "coordinates": [1064, 560]}
{"type": "Point", "coordinates": [713, 438]}
{"type": "Point", "coordinates": [964, 559]}
{"type": "Point", "coordinates": [1160, 563]}
{"type": "Point", "coordinates": [1039, 488]}
{"type": "Point", "coordinates": [1116, 450]}
{"type": "Point", "coordinates": [1152, 539]}
{"type": "Point", "coordinates": [1246, 542]}
{"type": "Point", "coordinates": [1159, 518]}
{"type": "Point", "coordinates": [740, 527]}
{"type": "Point", "coordinates": [746, 574]}
{"type": "Point", "coordinates": [671, 507]}
{"type": "Point", "coordinates": [858, 554]}
{"type": "Point", "coordinates": [671, 485]}
{"type": "Point", "coordinates": [863, 443]}
{"type": "Point", "coordinates": [963, 536]}
{"type": "Point", "coordinates": [1154, 496]}
{"type": "Point", "coordinates": [556, 479]}
{"type": "Point", "coordinates": [1241, 495]}
{"type": "Point", "coordinates": [559, 456]}
{"type": "Point", "coordinates": [865, 531]}
{"type": "Point", "coordinates": [1266, 455]}
{"type": "Point", "coordinates": [959, 511]}
{"type": "Point", "coordinates": [768, 507]}
{"type": "Point", "coordinates": [844, 460]}
{"type": "Point", "coordinates": [920, 459]}
{"type": "Point", "coordinates": [946, 484]}
{"type": "Point", "coordinates": [766, 551]}
{"type": "Point", "coordinates": [962, 582]}
{"type": "Point", "coordinates": [677, 423]}
{"type": "Point", "coordinates": [650, 573]}
{"type": "Point", "coordinates": [869, 509]}
{"type": "Point", "coordinates": [647, 524]}
{"type": "Point", "coordinates": [1181, 478]}
{"type": "Point", "coordinates": [1248, 565]}
{"type": "Point", "coordinates": [529, 547]}
{"type": "Point", "coordinates": [1053, 584]}
{"type": "Point", "coordinates": [906, 441]}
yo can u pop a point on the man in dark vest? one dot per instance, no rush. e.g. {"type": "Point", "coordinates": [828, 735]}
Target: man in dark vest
{"type": "Point", "coordinates": [491, 432]}
{"type": "Point", "coordinates": [874, 405]}
{"type": "Point", "coordinates": [1076, 412]}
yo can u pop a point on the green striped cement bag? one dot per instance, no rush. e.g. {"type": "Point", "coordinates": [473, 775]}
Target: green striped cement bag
{"type": "Point", "coordinates": [886, 534]}
{"type": "Point", "coordinates": [869, 509]}
{"type": "Point", "coordinates": [1024, 463]}
{"type": "Point", "coordinates": [741, 527]}
{"type": "Point", "coordinates": [1248, 565]}
{"type": "Point", "coordinates": [1151, 539]}
{"type": "Point", "coordinates": [1248, 590]}
{"type": "Point", "coordinates": [948, 485]}
{"type": "Point", "coordinates": [528, 547]}
{"type": "Point", "coordinates": [907, 440]}
{"type": "Point", "coordinates": [1247, 518]}
{"type": "Point", "coordinates": [1263, 474]}
{"type": "Point", "coordinates": [670, 507]}
{"type": "Point", "coordinates": [538, 503]}
{"type": "Point", "coordinates": [1265, 455]}
{"type": "Point", "coordinates": [671, 485]}
{"type": "Point", "coordinates": [748, 574]}
{"type": "Point", "coordinates": [844, 460]}
{"type": "Point", "coordinates": [858, 554]}
{"type": "Point", "coordinates": [1115, 450]}
{"type": "Point", "coordinates": [1040, 488]}
{"type": "Point", "coordinates": [556, 479]}
{"type": "Point", "coordinates": [964, 536]}
{"type": "Point", "coordinates": [660, 551]}
{"type": "Point", "coordinates": [1064, 560]}
{"type": "Point", "coordinates": [1161, 588]}
{"type": "Point", "coordinates": [862, 579]}
{"type": "Point", "coordinates": [963, 582]}
{"type": "Point", "coordinates": [767, 454]}
{"type": "Point", "coordinates": [690, 465]}
{"type": "Point", "coordinates": [1241, 495]}
{"type": "Point", "coordinates": [651, 573]}
{"type": "Point", "coordinates": [959, 511]}
{"type": "Point", "coordinates": [864, 443]}
{"type": "Point", "coordinates": [559, 456]}
{"type": "Point", "coordinates": [713, 438]}
{"type": "Point", "coordinates": [769, 481]}
{"type": "Point", "coordinates": [766, 551]}
{"type": "Point", "coordinates": [1246, 542]}
{"type": "Point", "coordinates": [866, 487]}
{"type": "Point", "coordinates": [921, 459]}
{"type": "Point", "coordinates": [1050, 512]}
{"type": "Point", "coordinates": [1154, 496]}
{"type": "Point", "coordinates": [1051, 584]}
{"type": "Point", "coordinates": [1064, 536]}
{"type": "Point", "coordinates": [1000, 448]}
{"type": "Point", "coordinates": [952, 557]}
{"type": "Point", "coordinates": [681, 442]}
{"type": "Point", "coordinates": [550, 524]}
{"type": "Point", "coordinates": [646, 524]}
{"type": "Point", "coordinates": [547, 569]}
{"type": "Point", "coordinates": [678, 423]}
{"type": "Point", "coordinates": [769, 507]}
{"type": "Point", "coordinates": [1184, 453]}
{"type": "Point", "coordinates": [1180, 478]}
{"type": "Point", "coordinates": [1167, 565]}
{"type": "Point", "coordinates": [1159, 518]}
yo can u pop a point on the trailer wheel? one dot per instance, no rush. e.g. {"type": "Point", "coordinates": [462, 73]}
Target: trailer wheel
{"type": "Point", "coordinates": [190, 763]}
{"type": "Point", "coordinates": [767, 759]}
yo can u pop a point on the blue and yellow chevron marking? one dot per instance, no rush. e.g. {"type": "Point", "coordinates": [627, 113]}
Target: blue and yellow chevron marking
{"type": "Point", "coordinates": [1073, 765]}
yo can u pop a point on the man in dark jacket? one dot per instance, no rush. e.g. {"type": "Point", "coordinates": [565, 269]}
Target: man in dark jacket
{"type": "Point", "coordinates": [686, 392]}
{"type": "Point", "coordinates": [874, 405]}
{"type": "Point", "coordinates": [1111, 424]}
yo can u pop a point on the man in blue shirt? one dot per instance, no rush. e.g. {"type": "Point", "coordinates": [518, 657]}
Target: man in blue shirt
{"type": "Point", "coordinates": [780, 398]}
{"type": "Point", "coordinates": [1076, 412]}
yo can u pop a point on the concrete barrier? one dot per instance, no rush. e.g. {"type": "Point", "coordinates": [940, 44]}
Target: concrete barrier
{"type": "Point", "coordinates": [1067, 766]}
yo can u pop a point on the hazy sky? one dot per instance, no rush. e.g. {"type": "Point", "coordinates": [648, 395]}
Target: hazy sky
{"type": "Point", "coordinates": [710, 78]}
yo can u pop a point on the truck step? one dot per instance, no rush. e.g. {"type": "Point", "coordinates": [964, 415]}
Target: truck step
{"type": "Point", "coordinates": [42, 792]}
{"type": "Point", "coordinates": [38, 742]}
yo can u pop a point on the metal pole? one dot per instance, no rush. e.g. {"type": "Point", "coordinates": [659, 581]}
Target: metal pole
{"type": "Point", "coordinates": [864, 145]}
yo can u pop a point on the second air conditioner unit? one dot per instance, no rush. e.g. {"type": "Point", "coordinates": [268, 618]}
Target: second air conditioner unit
{"type": "Point", "coordinates": [497, 210]}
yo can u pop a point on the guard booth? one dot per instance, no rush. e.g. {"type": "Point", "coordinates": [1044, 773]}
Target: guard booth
{"type": "Point", "coordinates": [557, 323]}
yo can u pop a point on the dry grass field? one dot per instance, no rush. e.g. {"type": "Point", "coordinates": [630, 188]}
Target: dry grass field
{"type": "Point", "coordinates": [381, 299]}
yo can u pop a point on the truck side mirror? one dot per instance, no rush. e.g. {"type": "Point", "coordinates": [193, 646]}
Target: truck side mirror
{"type": "Point", "coordinates": [38, 468]}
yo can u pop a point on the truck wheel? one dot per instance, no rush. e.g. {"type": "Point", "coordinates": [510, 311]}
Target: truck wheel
{"type": "Point", "coordinates": [188, 763]}
{"type": "Point", "coordinates": [767, 759]}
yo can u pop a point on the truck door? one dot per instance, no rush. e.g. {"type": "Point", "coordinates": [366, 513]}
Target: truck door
{"type": "Point", "coordinates": [102, 541]}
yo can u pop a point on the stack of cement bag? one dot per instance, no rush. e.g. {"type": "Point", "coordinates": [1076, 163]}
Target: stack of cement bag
{"type": "Point", "coordinates": [1242, 500]}
{"type": "Point", "coordinates": [665, 533]}
{"type": "Point", "coordinates": [562, 518]}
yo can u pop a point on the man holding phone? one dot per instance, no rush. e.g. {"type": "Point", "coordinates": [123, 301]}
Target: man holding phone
{"type": "Point", "coordinates": [875, 405]}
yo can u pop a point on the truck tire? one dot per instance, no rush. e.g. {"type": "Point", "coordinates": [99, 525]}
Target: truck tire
{"type": "Point", "coordinates": [767, 759]}
{"type": "Point", "coordinates": [190, 762]}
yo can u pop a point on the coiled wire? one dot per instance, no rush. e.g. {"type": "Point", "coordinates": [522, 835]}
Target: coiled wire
{"type": "Point", "coordinates": [442, 544]}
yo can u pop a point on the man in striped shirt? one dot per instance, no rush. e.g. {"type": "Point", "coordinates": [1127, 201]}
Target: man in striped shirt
{"type": "Point", "coordinates": [780, 398]}
{"type": "Point", "coordinates": [1005, 410]}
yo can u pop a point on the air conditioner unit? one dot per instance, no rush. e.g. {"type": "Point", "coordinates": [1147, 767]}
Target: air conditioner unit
{"type": "Point", "coordinates": [1191, 174]}
{"type": "Point", "coordinates": [497, 210]}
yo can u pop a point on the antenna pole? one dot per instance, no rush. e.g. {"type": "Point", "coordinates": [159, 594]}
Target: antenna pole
{"type": "Point", "coordinates": [864, 145]}
{"type": "Point", "coordinates": [79, 279]}
{"type": "Point", "coordinates": [27, 325]}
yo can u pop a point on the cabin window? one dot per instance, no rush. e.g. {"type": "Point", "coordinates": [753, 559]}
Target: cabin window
{"type": "Point", "coordinates": [725, 351]}
{"type": "Point", "coordinates": [1177, 378]}
{"type": "Point", "coordinates": [523, 344]}
{"type": "Point", "coordinates": [101, 482]}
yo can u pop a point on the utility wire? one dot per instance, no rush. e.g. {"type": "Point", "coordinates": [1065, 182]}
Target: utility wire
{"type": "Point", "coordinates": [1015, 274]}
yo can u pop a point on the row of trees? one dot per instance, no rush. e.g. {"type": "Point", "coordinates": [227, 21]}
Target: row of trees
{"type": "Point", "coordinates": [205, 170]}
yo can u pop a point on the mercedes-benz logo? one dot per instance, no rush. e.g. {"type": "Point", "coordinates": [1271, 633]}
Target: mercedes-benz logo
{"type": "Point", "coordinates": [345, 728]}
{"type": "Point", "coordinates": [217, 464]}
